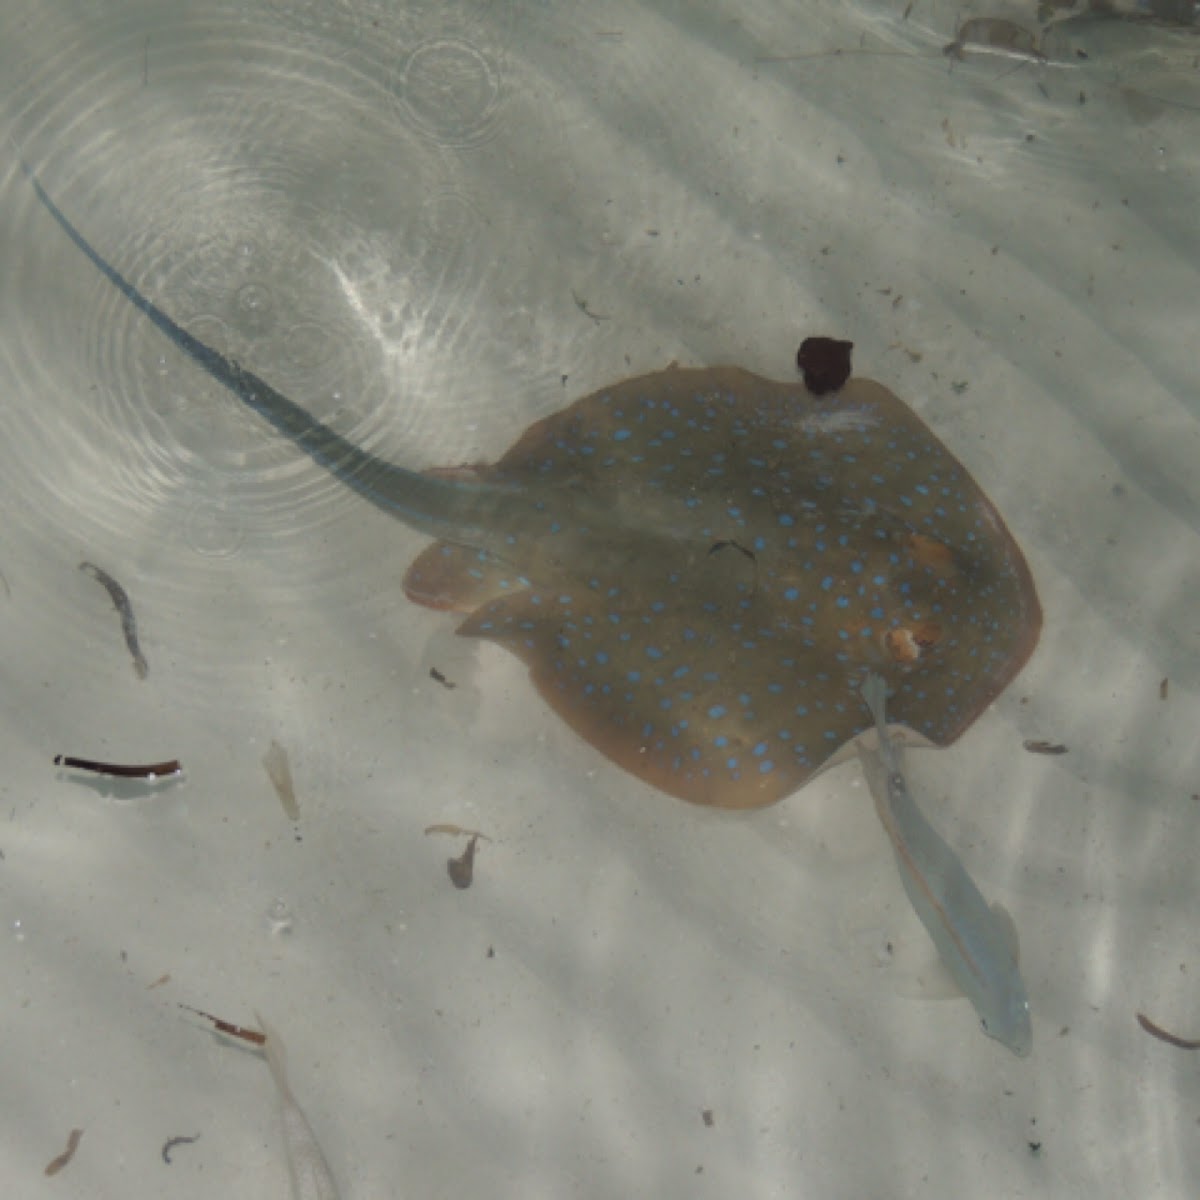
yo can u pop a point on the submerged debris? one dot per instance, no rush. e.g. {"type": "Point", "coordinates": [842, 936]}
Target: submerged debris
{"type": "Point", "coordinates": [456, 831]}
{"type": "Point", "coordinates": [992, 35]}
{"type": "Point", "coordinates": [120, 599]}
{"type": "Point", "coordinates": [238, 1031]}
{"type": "Point", "coordinates": [276, 763]}
{"type": "Point", "coordinates": [825, 364]}
{"type": "Point", "coordinates": [172, 1142]}
{"type": "Point", "coordinates": [1172, 1039]}
{"type": "Point", "coordinates": [1039, 747]}
{"type": "Point", "coordinates": [55, 1165]}
{"type": "Point", "coordinates": [151, 771]}
{"type": "Point", "coordinates": [462, 869]}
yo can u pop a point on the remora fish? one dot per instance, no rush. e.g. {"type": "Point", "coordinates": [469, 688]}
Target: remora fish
{"type": "Point", "coordinates": [977, 943]}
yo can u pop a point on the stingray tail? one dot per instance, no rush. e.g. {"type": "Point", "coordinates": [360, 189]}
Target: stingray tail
{"type": "Point", "coordinates": [438, 507]}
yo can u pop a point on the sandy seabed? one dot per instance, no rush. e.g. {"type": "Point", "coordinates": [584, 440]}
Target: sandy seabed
{"type": "Point", "coordinates": [432, 226]}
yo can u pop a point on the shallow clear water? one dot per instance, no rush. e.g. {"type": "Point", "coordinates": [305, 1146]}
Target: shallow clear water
{"type": "Point", "coordinates": [433, 224]}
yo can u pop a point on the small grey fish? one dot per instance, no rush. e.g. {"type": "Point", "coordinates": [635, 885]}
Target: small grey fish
{"type": "Point", "coordinates": [120, 599]}
{"type": "Point", "coordinates": [977, 943]}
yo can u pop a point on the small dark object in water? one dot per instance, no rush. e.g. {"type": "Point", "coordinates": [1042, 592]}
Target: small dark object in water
{"type": "Point", "coordinates": [120, 599]}
{"type": "Point", "coordinates": [56, 1165]}
{"type": "Point", "coordinates": [1172, 1039]}
{"type": "Point", "coordinates": [462, 869]}
{"type": "Point", "coordinates": [278, 769]}
{"type": "Point", "coordinates": [1035, 747]}
{"type": "Point", "coordinates": [1163, 689]}
{"type": "Point", "coordinates": [992, 35]}
{"type": "Point", "coordinates": [124, 770]}
{"type": "Point", "coordinates": [825, 364]}
{"type": "Point", "coordinates": [253, 1036]}
{"type": "Point", "coordinates": [436, 675]}
{"type": "Point", "coordinates": [171, 1143]}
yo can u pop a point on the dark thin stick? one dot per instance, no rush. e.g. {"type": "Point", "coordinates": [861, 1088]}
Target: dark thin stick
{"type": "Point", "coordinates": [124, 770]}
{"type": "Point", "coordinates": [238, 1031]}
{"type": "Point", "coordinates": [582, 305]}
{"type": "Point", "coordinates": [1171, 1039]}
{"type": "Point", "coordinates": [54, 1166]}
{"type": "Point", "coordinates": [171, 1143]}
{"type": "Point", "coordinates": [120, 599]}
{"type": "Point", "coordinates": [1035, 747]}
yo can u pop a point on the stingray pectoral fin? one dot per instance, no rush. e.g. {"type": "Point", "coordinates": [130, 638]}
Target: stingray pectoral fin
{"type": "Point", "coordinates": [453, 578]}
{"type": "Point", "coordinates": [684, 714]}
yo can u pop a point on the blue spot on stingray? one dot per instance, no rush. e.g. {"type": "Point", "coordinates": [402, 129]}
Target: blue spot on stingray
{"type": "Point", "coordinates": [720, 740]}
{"type": "Point", "coordinates": [791, 593]}
{"type": "Point", "coordinates": [601, 657]}
{"type": "Point", "coordinates": [634, 676]}
{"type": "Point", "coordinates": [787, 520]}
{"type": "Point", "coordinates": [766, 766]}
{"type": "Point", "coordinates": [653, 652]}
{"type": "Point", "coordinates": [621, 435]}
{"type": "Point", "coordinates": [717, 712]}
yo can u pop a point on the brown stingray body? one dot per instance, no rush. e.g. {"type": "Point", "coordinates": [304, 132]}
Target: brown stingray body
{"type": "Point", "coordinates": [756, 552]}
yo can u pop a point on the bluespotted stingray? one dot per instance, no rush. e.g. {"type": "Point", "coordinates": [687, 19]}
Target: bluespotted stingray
{"type": "Point", "coordinates": [699, 567]}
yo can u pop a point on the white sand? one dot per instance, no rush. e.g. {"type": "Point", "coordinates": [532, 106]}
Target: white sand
{"type": "Point", "coordinates": [413, 212]}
